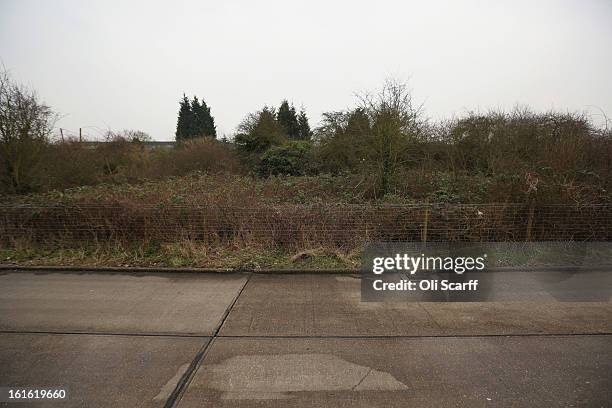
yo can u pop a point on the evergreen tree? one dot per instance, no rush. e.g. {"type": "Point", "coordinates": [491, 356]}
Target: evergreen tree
{"type": "Point", "coordinates": [197, 125]}
{"type": "Point", "coordinates": [204, 122]}
{"type": "Point", "coordinates": [287, 118]}
{"type": "Point", "coordinates": [208, 127]}
{"type": "Point", "coordinates": [184, 124]}
{"type": "Point", "coordinates": [304, 132]}
{"type": "Point", "coordinates": [194, 120]}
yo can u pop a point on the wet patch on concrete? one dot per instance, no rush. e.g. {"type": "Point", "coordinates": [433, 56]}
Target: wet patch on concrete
{"type": "Point", "coordinates": [277, 376]}
{"type": "Point", "coordinates": [530, 371]}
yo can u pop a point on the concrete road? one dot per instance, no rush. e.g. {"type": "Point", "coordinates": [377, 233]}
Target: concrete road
{"type": "Point", "coordinates": [115, 303]}
{"type": "Point", "coordinates": [315, 305]}
{"type": "Point", "coordinates": [405, 372]}
{"type": "Point", "coordinates": [121, 340]}
{"type": "Point", "coordinates": [98, 370]}
{"type": "Point", "coordinates": [179, 340]}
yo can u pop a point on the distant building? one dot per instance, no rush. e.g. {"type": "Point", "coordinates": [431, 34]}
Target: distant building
{"type": "Point", "coordinates": [148, 145]}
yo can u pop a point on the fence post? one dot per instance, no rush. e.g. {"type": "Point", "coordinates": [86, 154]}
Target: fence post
{"type": "Point", "coordinates": [145, 227]}
{"type": "Point", "coordinates": [425, 225]}
{"type": "Point", "coordinates": [530, 221]}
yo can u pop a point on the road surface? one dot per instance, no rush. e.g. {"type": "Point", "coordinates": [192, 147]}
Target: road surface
{"type": "Point", "coordinates": [246, 340]}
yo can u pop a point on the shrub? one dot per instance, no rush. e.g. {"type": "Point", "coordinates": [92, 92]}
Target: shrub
{"type": "Point", "coordinates": [70, 164]}
{"type": "Point", "coordinates": [259, 131]}
{"type": "Point", "coordinates": [289, 159]}
{"type": "Point", "coordinates": [201, 154]}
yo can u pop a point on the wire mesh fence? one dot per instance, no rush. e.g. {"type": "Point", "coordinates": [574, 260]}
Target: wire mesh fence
{"type": "Point", "coordinates": [298, 224]}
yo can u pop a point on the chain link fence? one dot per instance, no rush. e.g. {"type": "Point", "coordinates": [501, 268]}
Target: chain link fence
{"type": "Point", "coordinates": [291, 225]}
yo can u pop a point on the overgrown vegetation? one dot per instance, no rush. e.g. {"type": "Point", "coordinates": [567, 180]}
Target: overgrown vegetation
{"type": "Point", "coordinates": [383, 151]}
{"type": "Point", "coordinates": [25, 126]}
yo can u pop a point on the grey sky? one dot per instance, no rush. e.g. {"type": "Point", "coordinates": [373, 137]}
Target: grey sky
{"type": "Point", "coordinates": [126, 64]}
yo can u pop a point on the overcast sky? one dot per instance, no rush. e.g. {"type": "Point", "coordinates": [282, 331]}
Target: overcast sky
{"type": "Point", "coordinates": [120, 64]}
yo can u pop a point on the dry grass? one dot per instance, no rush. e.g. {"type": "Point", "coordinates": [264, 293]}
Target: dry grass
{"type": "Point", "coordinates": [177, 254]}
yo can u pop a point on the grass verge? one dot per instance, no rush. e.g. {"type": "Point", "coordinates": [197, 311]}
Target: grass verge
{"type": "Point", "coordinates": [176, 255]}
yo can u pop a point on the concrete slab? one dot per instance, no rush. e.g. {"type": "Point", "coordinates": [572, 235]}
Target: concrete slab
{"type": "Point", "coordinates": [319, 305]}
{"type": "Point", "coordinates": [552, 317]}
{"type": "Point", "coordinates": [97, 370]}
{"type": "Point", "coordinates": [322, 305]}
{"type": "Point", "coordinates": [123, 303]}
{"type": "Point", "coordinates": [421, 372]}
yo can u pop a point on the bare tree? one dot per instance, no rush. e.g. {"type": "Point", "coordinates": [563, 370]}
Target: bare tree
{"type": "Point", "coordinates": [25, 126]}
{"type": "Point", "coordinates": [396, 123]}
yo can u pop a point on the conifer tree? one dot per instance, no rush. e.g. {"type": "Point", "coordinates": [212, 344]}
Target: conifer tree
{"type": "Point", "coordinates": [194, 120]}
{"type": "Point", "coordinates": [197, 124]}
{"type": "Point", "coordinates": [185, 120]}
{"type": "Point", "coordinates": [206, 123]}
{"type": "Point", "coordinates": [303, 126]}
{"type": "Point", "coordinates": [287, 118]}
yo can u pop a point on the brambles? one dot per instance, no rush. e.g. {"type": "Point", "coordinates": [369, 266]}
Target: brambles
{"type": "Point", "coordinates": [386, 148]}
{"type": "Point", "coordinates": [279, 194]}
